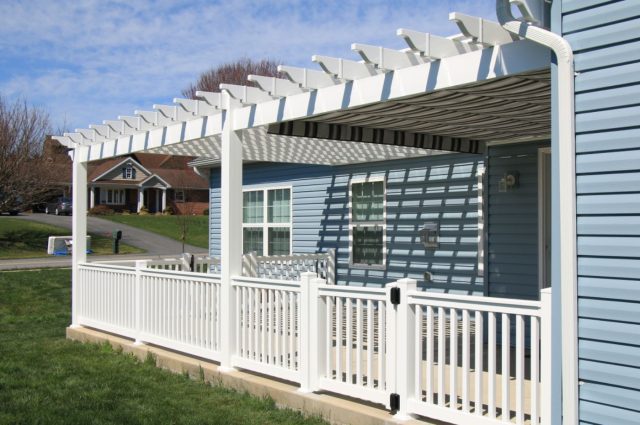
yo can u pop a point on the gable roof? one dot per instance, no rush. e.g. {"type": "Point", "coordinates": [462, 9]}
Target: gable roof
{"type": "Point", "coordinates": [174, 170]}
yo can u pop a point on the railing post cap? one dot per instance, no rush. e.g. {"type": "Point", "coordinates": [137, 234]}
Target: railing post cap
{"type": "Point", "coordinates": [406, 282]}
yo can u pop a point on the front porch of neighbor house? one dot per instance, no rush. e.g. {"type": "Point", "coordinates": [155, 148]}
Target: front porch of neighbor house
{"type": "Point", "coordinates": [413, 269]}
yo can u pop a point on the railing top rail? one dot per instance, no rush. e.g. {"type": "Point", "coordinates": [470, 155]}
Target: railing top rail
{"type": "Point", "coordinates": [102, 266]}
{"type": "Point", "coordinates": [182, 274]}
{"type": "Point", "coordinates": [473, 302]}
{"type": "Point", "coordinates": [264, 283]}
{"type": "Point", "coordinates": [292, 257]}
{"type": "Point", "coordinates": [361, 292]}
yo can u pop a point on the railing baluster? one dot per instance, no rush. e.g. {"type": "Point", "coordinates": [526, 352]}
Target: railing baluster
{"type": "Point", "coordinates": [492, 366]}
{"type": "Point", "coordinates": [263, 323]}
{"type": "Point", "coordinates": [349, 339]}
{"type": "Point", "coordinates": [441, 346]}
{"type": "Point", "coordinates": [285, 329]}
{"type": "Point", "coordinates": [269, 327]}
{"type": "Point", "coordinates": [506, 346]}
{"type": "Point", "coordinates": [418, 354]}
{"type": "Point", "coordinates": [359, 317]}
{"type": "Point", "coordinates": [370, 340]}
{"type": "Point", "coordinates": [339, 338]}
{"type": "Point", "coordinates": [329, 337]}
{"type": "Point", "coordinates": [478, 361]}
{"type": "Point", "coordinates": [465, 360]}
{"type": "Point", "coordinates": [279, 334]}
{"type": "Point", "coordinates": [382, 345]}
{"type": "Point", "coordinates": [535, 371]}
{"type": "Point", "coordinates": [519, 369]}
{"type": "Point", "coordinates": [429, 349]}
{"type": "Point", "coordinates": [453, 358]}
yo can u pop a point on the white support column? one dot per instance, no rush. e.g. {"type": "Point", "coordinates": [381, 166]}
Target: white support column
{"type": "Point", "coordinates": [92, 197]}
{"type": "Point", "coordinates": [546, 356]}
{"type": "Point", "coordinates": [405, 340]}
{"type": "Point", "coordinates": [79, 229]}
{"type": "Point", "coordinates": [140, 199]}
{"type": "Point", "coordinates": [164, 199]}
{"type": "Point", "coordinates": [231, 228]}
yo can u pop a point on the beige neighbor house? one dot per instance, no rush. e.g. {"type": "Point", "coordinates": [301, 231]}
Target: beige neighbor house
{"type": "Point", "coordinates": [155, 182]}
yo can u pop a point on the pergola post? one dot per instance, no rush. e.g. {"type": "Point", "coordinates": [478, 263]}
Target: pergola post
{"type": "Point", "coordinates": [79, 228]}
{"type": "Point", "coordinates": [231, 228]}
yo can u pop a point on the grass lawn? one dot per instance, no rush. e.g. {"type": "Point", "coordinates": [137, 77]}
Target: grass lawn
{"type": "Point", "coordinates": [27, 239]}
{"type": "Point", "coordinates": [47, 379]}
{"type": "Point", "coordinates": [170, 226]}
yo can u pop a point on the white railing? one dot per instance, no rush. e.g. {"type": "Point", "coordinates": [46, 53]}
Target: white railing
{"type": "Point", "coordinates": [268, 326]}
{"type": "Point", "coordinates": [477, 359]}
{"type": "Point", "coordinates": [107, 298]}
{"type": "Point", "coordinates": [290, 267]}
{"type": "Point", "coordinates": [460, 359]}
{"type": "Point", "coordinates": [354, 342]}
{"type": "Point", "coordinates": [169, 308]}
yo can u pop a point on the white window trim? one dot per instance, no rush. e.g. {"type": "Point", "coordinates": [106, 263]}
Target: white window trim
{"type": "Point", "coordinates": [382, 223]}
{"type": "Point", "coordinates": [265, 225]}
{"type": "Point", "coordinates": [104, 199]}
{"type": "Point", "coordinates": [481, 221]}
{"type": "Point", "coordinates": [128, 172]}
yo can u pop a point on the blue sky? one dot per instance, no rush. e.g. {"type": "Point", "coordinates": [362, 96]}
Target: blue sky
{"type": "Point", "coordinates": [89, 60]}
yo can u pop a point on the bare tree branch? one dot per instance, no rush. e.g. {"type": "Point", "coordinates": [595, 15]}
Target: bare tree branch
{"type": "Point", "coordinates": [25, 178]}
{"type": "Point", "coordinates": [231, 73]}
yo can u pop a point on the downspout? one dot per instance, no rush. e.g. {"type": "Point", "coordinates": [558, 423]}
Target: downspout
{"type": "Point", "coordinates": [567, 195]}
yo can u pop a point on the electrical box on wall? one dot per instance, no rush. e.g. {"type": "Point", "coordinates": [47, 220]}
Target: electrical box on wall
{"type": "Point", "coordinates": [509, 181]}
{"type": "Point", "coordinates": [429, 235]}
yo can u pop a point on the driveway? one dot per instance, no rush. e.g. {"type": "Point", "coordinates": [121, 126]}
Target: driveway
{"type": "Point", "coordinates": [155, 245]}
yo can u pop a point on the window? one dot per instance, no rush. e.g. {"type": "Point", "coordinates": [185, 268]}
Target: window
{"type": "Point", "coordinates": [128, 172]}
{"type": "Point", "coordinates": [367, 225]}
{"type": "Point", "coordinates": [178, 196]}
{"type": "Point", "coordinates": [112, 196]}
{"type": "Point", "coordinates": [267, 225]}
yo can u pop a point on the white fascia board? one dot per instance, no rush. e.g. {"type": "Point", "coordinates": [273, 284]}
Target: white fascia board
{"type": "Point", "coordinates": [154, 176]}
{"type": "Point", "coordinates": [163, 136]}
{"type": "Point", "coordinates": [493, 62]}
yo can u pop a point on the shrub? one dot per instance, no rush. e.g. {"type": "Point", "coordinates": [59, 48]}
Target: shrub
{"type": "Point", "coordinates": [143, 211]}
{"type": "Point", "coordinates": [126, 212]}
{"type": "Point", "coordinates": [168, 211]}
{"type": "Point", "coordinates": [101, 210]}
{"type": "Point", "coordinates": [205, 211]}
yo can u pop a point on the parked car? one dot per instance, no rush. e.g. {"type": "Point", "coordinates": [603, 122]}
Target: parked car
{"type": "Point", "coordinates": [60, 206]}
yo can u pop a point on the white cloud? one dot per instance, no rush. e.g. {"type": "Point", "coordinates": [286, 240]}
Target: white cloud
{"type": "Point", "coordinates": [93, 60]}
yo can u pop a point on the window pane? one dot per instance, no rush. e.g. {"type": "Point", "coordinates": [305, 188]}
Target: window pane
{"type": "Point", "coordinates": [367, 244]}
{"type": "Point", "coordinates": [252, 240]}
{"type": "Point", "coordinates": [278, 206]}
{"type": "Point", "coordinates": [252, 208]}
{"type": "Point", "coordinates": [279, 240]}
{"type": "Point", "coordinates": [367, 201]}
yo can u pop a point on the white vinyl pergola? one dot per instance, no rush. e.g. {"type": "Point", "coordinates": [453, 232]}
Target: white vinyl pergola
{"type": "Point", "coordinates": [490, 82]}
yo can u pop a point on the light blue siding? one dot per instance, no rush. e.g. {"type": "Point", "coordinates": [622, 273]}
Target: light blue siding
{"type": "Point", "coordinates": [441, 188]}
{"type": "Point", "coordinates": [512, 225]}
{"type": "Point", "coordinates": [604, 36]}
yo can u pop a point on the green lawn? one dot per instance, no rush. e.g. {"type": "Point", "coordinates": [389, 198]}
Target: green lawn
{"type": "Point", "coordinates": [47, 379]}
{"type": "Point", "coordinates": [21, 238]}
{"type": "Point", "coordinates": [170, 225]}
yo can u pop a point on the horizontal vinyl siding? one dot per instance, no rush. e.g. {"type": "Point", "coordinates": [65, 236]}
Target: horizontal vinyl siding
{"type": "Point", "coordinates": [512, 232]}
{"type": "Point", "coordinates": [442, 188]}
{"type": "Point", "coordinates": [605, 37]}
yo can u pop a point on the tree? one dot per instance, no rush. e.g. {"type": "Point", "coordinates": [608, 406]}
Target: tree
{"type": "Point", "coordinates": [25, 177]}
{"type": "Point", "coordinates": [231, 73]}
